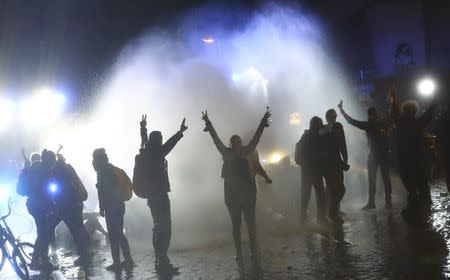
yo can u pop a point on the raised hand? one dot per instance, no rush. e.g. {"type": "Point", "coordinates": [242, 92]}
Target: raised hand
{"type": "Point", "coordinates": [206, 119]}
{"type": "Point", "coordinates": [266, 117]}
{"type": "Point", "coordinates": [341, 105]}
{"type": "Point", "coordinates": [60, 147]}
{"type": "Point", "coordinates": [392, 96]}
{"type": "Point", "coordinates": [143, 122]}
{"type": "Point", "coordinates": [205, 116]}
{"type": "Point", "coordinates": [183, 126]}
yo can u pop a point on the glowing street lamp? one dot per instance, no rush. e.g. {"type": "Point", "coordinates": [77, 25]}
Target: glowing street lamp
{"type": "Point", "coordinates": [4, 193]}
{"type": "Point", "coordinates": [208, 40]}
{"type": "Point", "coordinates": [275, 157]}
{"type": "Point", "coordinates": [295, 118]}
{"type": "Point", "coordinates": [43, 106]}
{"type": "Point", "coordinates": [426, 87]}
{"type": "Point", "coordinates": [6, 114]}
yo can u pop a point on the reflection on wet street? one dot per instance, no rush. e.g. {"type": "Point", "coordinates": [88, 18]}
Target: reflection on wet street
{"type": "Point", "coordinates": [371, 245]}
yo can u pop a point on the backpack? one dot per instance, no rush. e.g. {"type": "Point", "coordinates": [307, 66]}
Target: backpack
{"type": "Point", "coordinates": [140, 178]}
{"type": "Point", "coordinates": [124, 184]}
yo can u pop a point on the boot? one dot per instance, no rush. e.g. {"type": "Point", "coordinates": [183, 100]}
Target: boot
{"type": "Point", "coordinates": [241, 268]}
{"type": "Point", "coordinates": [257, 270]}
{"type": "Point", "coordinates": [370, 205]}
{"type": "Point", "coordinates": [388, 202]}
{"type": "Point", "coordinates": [115, 267]}
{"type": "Point", "coordinates": [128, 263]}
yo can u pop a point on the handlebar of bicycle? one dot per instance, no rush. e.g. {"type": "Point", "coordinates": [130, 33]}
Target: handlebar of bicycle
{"type": "Point", "coordinates": [9, 211]}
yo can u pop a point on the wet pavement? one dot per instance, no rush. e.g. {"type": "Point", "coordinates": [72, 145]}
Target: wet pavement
{"type": "Point", "coordinates": [376, 244]}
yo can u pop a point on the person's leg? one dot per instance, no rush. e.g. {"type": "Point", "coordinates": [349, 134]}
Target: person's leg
{"type": "Point", "coordinates": [122, 238]}
{"type": "Point", "coordinates": [53, 220]}
{"type": "Point", "coordinates": [329, 191]}
{"type": "Point", "coordinates": [235, 212]}
{"type": "Point", "coordinates": [334, 193]}
{"type": "Point", "coordinates": [372, 168]}
{"type": "Point", "coordinates": [305, 194]}
{"type": "Point", "coordinates": [320, 197]}
{"type": "Point", "coordinates": [235, 215]}
{"type": "Point", "coordinates": [73, 218]}
{"type": "Point", "coordinates": [384, 168]}
{"type": "Point", "coordinates": [250, 220]}
{"type": "Point", "coordinates": [113, 239]}
{"type": "Point", "coordinates": [160, 209]}
{"type": "Point", "coordinates": [407, 176]}
{"type": "Point", "coordinates": [447, 176]}
{"type": "Point", "coordinates": [340, 191]}
{"type": "Point", "coordinates": [41, 232]}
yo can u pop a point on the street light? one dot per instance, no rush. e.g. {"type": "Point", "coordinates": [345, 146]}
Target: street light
{"type": "Point", "coordinates": [208, 40]}
{"type": "Point", "coordinates": [295, 118]}
{"type": "Point", "coordinates": [43, 106]}
{"type": "Point", "coordinates": [426, 87]}
{"type": "Point", "coordinates": [4, 193]}
{"type": "Point", "coordinates": [6, 114]}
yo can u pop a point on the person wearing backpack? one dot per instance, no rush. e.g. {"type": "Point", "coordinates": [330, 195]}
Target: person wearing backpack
{"type": "Point", "coordinates": [114, 188]}
{"type": "Point", "coordinates": [68, 195]}
{"type": "Point", "coordinates": [240, 187]}
{"type": "Point", "coordinates": [151, 181]}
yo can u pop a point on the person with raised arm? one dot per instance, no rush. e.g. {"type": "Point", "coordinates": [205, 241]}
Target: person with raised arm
{"type": "Point", "coordinates": [377, 130]}
{"type": "Point", "coordinates": [240, 187]}
{"type": "Point", "coordinates": [411, 147]}
{"type": "Point", "coordinates": [337, 159]}
{"type": "Point", "coordinates": [151, 181]}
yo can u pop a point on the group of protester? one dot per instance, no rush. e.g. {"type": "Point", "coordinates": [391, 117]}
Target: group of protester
{"type": "Point", "coordinates": [321, 152]}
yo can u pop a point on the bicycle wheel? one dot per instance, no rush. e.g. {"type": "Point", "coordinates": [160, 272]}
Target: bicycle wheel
{"type": "Point", "coordinates": [27, 250]}
{"type": "Point", "coordinates": [19, 264]}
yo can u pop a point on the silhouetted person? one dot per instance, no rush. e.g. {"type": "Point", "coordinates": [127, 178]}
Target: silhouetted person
{"type": "Point", "coordinates": [34, 182]}
{"type": "Point", "coordinates": [240, 186]}
{"type": "Point", "coordinates": [92, 224]}
{"type": "Point", "coordinates": [111, 199]}
{"type": "Point", "coordinates": [377, 130]}
{"type": "Point", "coordinates": [411, 147]}
{"type": "Point", "coordinates": [442, 133]}
{"type": "Point", "coordinates": [310, 154]}
{"type": "Point", "coordinates": [336, 164]}
{"type": "Point", "coordinates": [152, 159]}
{"type": "Point", "coordinates": [68, 193]}
{"type": "Point", "coordinates": [33, 158]}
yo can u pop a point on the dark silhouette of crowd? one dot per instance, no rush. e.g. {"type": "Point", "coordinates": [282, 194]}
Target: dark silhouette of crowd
{"type": "Point", "coordinates": [55, 192]}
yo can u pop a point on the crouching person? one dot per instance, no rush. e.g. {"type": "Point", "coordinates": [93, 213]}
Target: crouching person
{"type": "Point", "coordinates": [114, 188]}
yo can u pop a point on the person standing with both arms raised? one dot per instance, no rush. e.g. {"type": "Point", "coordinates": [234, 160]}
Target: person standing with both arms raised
{"type": "Point", "coordinates": [377, 130]}
{"type": "Point", "coordinates": [114, 188]}
{"type": "Point", "coordinates": [151, 181]}
{"type": "Point", "coordinates": [240, 187]}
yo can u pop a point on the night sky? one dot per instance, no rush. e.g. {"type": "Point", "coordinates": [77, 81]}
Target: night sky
{"type": "Point", "coordinates": [72, 44]}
